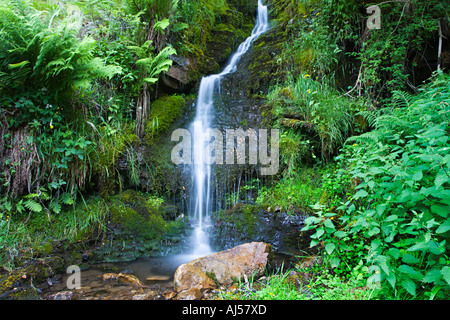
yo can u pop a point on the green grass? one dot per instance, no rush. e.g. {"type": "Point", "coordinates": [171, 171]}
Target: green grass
{"type": "Point", "coordinates": [290, 193]}
{"type": "Point", "coordinates": [281, 285]}
{"type": "Point", "coordinates": [33, 234]}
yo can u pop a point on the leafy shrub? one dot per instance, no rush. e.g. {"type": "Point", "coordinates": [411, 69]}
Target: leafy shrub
{"type": "Point", "coordinates": [398, 219]}
{"type": "Point", "coordinates": [292, 193]}
{"type": "Point", "coordinates": [316, 110]}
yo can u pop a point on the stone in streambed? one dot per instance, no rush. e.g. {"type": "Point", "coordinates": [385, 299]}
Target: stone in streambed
{"type": "Point", "coordinates": [123, 279]}
{"type": "Point", "coordinates": [188, 276]}
{"type": "Point", "coordinates": [222, 268]}
{"type": "Point", "coordinates": [231, 265]}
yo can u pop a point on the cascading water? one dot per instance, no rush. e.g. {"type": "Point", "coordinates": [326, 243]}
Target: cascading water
{"type": "Point", "coordinates": [201, 172]}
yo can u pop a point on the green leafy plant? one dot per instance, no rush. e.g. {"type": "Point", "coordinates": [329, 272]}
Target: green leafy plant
{"type": "Point", "coordinates": [397, 219]}
{"type": "Point", "coordinates": [314, 110]}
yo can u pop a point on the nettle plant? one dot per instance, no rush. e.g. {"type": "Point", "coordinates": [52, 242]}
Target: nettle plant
{"type": "Point", "coordinates": [397, 222]}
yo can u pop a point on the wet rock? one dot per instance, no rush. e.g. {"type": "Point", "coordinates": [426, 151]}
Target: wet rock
{"type": "Point", "coordinates": [109, 276]}
{"type": "Point", "coordinates": [190, 294]}
{"type": "Point", "coordinates": [247, 223]}
{"type": "Point", "coordinates": [123, 279]}
{"type": "Point", "coordinates": [157, 278]}
{"type": "Point", "coordinates": [188, 276]}
{"type": "Point", "coordinates": [186, 71]}
{"type": "Point", "coordinates": [246, 260]}
{"type": "Point", "coordinates": [129, 280]}
{"type": "Point", "coordinates": [170, 295]}
{"type": "Point", "coordinates": [63, 295]}
{"type": "Point", "coordinates": [221, 268]}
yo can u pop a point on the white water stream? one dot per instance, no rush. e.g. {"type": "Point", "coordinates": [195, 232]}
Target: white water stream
{"type": "Point", "coordinates": [201, 172]}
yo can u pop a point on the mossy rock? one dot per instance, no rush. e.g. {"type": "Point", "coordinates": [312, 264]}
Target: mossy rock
{"type": "Point", "coordinates": [19, 283]}
{"type": "Point", "coordinates": [264, 69]}
{"type": "Point", "coordinates": [203, 48]}
{"type": "Point", "coordinates": [163, 112]}
{"type": "Point", "coordinates": [242, 216]}
{"type": "Point", "coordinates": [141, 216]}
{"type": "Point", "coordinates": [227, 35]}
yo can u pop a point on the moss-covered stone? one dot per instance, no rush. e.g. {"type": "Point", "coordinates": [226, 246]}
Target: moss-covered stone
{"type": "Point", "coordinates": [163, 113]}
{"type": "Point", "coordinates": [242, 216]}
{"type": "Point", "coordinates": [19, 284]}
{"type": "Point", "coordinates": [141, 216]}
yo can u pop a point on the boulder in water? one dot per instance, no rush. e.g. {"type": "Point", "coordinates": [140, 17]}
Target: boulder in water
{"type": "Point", "coordinates": [188, 276]}
{"type": "Point", "coordinates": [223, 268]}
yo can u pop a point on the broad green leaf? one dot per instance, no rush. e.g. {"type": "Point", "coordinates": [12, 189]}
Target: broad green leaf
{"type": "Point", "coordinates": [340, 234]}
{"type": "Point", "coordinates": [391, 218]}
{"type": "Point", "coordinates": [413, 273]}
{"type": "Point", "coordinates": [375, 244]}
{"type": "Point", "coordinates": [360, 194]}
{"type": "Point", "coordinates": [436, 248]}
{"type": "Point", "coordinates": [417, 176]}
{"type": "Point", "coordinates": [394, 253]}
{"type": "Point", "coordinates": [409, 286]}
{"type": "Point", "coordinates": [383, 265]}
{"type": "Point", "coordinates": [441, 178]}
{"type": "Point", "coordinates": [329, 224]}
{"type": "Point", "coordinates": [441, 210]}
{"type": "Point", "coordinates": [314, 243]}
{"type": "Point", "coordinates": [318, 234]}
{"type": "Point", "coordinates": [329, 248]}
{"type": "Point", "coordinates": [409, 258]}
{"type": "Point", "coordinates": [433, 275]}
{"type": "Point", "coordinates": [335, 262]}
{"type": "Point", "coordinates": [392, 279]}
{"type": "Point", "coordinates": [374, 231]}
{"type": "Point", "coordinates": [418, 246]}
{"type": "Point", "coordinates": [446, 274]}
{"type": "Point", "coordinates": [444, 227]}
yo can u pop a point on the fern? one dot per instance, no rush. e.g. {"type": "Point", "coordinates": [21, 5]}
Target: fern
{"type": "Point", "coordinates": [36, 51]}
{"type": "Point", "coordinates": [33, 206]}
{"type": "Point", "coordinates": [67, 198]}
{"type": "Point", "coordinates": [153, 66]}
{"type": "Point", "coordinates": [55, 206]}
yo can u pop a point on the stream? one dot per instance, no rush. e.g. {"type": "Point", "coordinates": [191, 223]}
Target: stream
{"type": "Point", "coordinates": [154, 273]}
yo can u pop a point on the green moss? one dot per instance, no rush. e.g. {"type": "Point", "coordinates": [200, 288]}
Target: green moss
{"type": "Point", "coordinates": [139, 215]}
{"type": "Point", "coordinates": [244, 218]}
{"type": "Point", "coordinates": [32, 273]}
{"type": "Point", "coordinates": [164, 112]}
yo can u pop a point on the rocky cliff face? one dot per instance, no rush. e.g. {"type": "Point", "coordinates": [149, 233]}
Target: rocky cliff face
{"type": "Point", "coordinates": [246, 223]}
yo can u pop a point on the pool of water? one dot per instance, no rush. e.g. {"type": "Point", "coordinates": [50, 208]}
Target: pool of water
{"type": "Point", "coordinates": [155, 274]}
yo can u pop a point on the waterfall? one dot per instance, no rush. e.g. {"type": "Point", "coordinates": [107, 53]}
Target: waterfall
{"type": "Point", "coordinates": [201, 172]}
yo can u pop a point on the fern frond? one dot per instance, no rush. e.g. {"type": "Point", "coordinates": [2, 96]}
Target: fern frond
{"type": "Point", "coordinates": [32, 205]}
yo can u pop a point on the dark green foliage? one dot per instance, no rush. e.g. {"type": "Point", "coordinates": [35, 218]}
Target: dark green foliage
{"type": "Point", "coordinates": [397, 219]}
{"type": "Point", "coordinates": [35, 55]}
